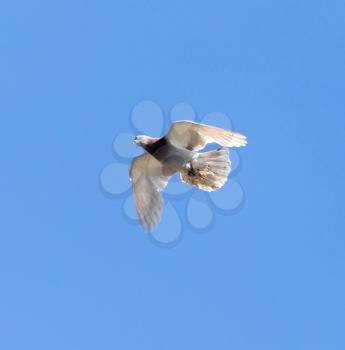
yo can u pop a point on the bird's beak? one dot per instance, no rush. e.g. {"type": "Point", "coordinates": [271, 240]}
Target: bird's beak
{"type": "Point", "coordinates": [135, 141]}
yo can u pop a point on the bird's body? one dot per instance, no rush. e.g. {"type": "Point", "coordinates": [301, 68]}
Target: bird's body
{"type": "Point", "coordinates": [178, 152]}
{"type": "Point", "coordinates": [169, 154]}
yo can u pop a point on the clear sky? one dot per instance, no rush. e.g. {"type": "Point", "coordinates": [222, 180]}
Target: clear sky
{"type": "Point", "coordinates": [74, 273]}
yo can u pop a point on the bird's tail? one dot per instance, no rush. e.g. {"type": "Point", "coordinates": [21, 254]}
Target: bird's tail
{"type": "Point", "coordinates": [208, 171]}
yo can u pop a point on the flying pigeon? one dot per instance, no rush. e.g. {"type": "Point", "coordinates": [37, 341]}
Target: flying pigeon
{"type": "Point", "coordinates": [178, 152]}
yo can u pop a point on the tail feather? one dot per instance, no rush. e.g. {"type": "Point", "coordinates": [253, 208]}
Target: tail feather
{"type": "Point", "coordinates": [208, 171]}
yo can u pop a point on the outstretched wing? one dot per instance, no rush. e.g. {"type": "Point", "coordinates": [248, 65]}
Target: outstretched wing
{"type": "Point", "coordinates": [149, 178]}
{"type": "Point", "coordinates": [195, 136]}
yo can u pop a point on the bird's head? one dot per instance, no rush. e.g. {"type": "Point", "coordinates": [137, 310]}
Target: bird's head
{"type": "Point", "coordinates": [143, 141]}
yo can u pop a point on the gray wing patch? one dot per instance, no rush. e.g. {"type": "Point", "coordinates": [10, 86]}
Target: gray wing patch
{"type": "Point", "coordinates": [149, 178]}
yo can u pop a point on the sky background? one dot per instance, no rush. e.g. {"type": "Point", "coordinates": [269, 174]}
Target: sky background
{"type": "Point", "coordinates": [74, 274]}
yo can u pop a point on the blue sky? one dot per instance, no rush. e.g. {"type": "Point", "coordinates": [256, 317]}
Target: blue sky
{"type": "Point", "coordinates": [74, 273]}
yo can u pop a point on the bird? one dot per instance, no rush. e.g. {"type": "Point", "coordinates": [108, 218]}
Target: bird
{"type": "Point", "coordinates": [179, 152]}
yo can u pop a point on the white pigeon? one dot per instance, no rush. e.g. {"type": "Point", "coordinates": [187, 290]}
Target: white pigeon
{"type": "Point", "coordinates": [177, 152]}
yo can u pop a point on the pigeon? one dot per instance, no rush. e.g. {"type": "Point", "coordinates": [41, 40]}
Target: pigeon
{"type": "Point", "coordinates": [178, 152]}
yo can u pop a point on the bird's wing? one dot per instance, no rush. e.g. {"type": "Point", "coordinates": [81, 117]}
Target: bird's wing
{"type": "Point", "coordinates": [195, 136]}
{"type": "Point", "coordinates": [149, 178]}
